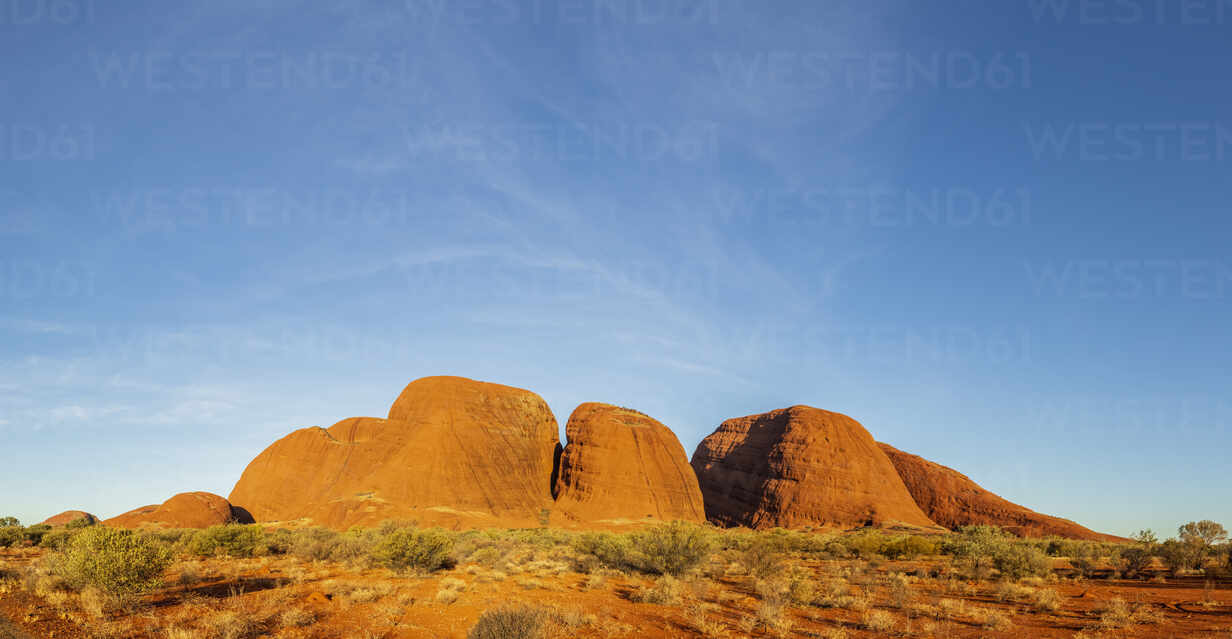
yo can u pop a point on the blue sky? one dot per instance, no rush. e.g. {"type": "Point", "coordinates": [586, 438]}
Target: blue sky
{"type": "Point", "coordinates": [996, 233]}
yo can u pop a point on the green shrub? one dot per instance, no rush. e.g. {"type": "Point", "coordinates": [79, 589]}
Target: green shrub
{"type": "Point", "coordinates": [231, 540]}
{"type": "Point", "coordinates": [278, 541]}
{"type": "Point", "coordinates": [516, 622]}
{"type": "Point", "coordinates": [58, 539]}
{"type": "Point", "coordinates": [32, 535]}
{"type": "Point", "coordinates": [665, 549]}
{"type": "Point", "coordinates": [910, 547]}
{"type": "Point", "coordinates": [1179, 555]}
{"type": "Point", "coordinates": [117, 562]}
{"type": "Point", "coordinates": [611, 550]}
{"type": "Point", "coordinates": [411, 550]}
{"type": "Point", "coordinates": [1084, 557]}
{"type": "Point", "coordinates": [356, 544]}
{"type": "Point", "coordinates": [179, 537]}
{"type": "Point", "coordinates": [671, 549]}
{"type": "Point", "coordinates": [865, 545]}
{"type": "Point", "coordinates": [1018, 560]}
{"type": "Point", "coordinates": [11, 536]}
{"type": "Point", "coordinates": [1135, 559]}
{"type": "Point", "coordinates": [9, 522]}
{"type": "Point", "coordinates": [82, 522]}
{"type": "Point", "coordinates": [761, 559]}
{"type": "Point", "coordinates": [313, 543]}
{"type": "Point", "coordinates": [975, 549]}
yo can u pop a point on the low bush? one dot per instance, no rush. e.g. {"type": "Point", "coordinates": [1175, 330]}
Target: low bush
{"type": "Point", "coordinates": [58, 539]}
{"type": "Point", "coordinates": [278, 541]}
{"type": "Point", "coordinates": [1179, 556]}
{"type": "Point", "coordinates": [665, 549]}
{"type": "Point", "coordinates": [11, 536]}
{"type": "Point", "coordinates": [761, 559]}
{"type": "Point", "coordinates": [513, 622]}
{"type": "Point", "coordinates": [665, 591]}
{"type": "Point", "coordinates": [312, 543]}
{"type": "Point", "coordinates": [356, 545]}
{"type": "Point", "coordinates": [611, 550]}
{"type": "Point", "coordinates": [413, 550]}
{"type": "Point", "coordinates": [981, 549]}
{"type": "Point", "coordinates": [975, 548]}
{"type": "Point", "coordinates": [1019, 560]}
{"type": "Point", "coordinates": [865, 545]}
{"type": "Point", "coordinates": [117, 562]}
{"type": "Point", "coordinates": [910, 547]}
{"type": "Point", "coordinates": [671, 549]}
{"type": "Point", "coordinates": [231, 540]}
{"type": "Point", "coordinates": [33, 535]}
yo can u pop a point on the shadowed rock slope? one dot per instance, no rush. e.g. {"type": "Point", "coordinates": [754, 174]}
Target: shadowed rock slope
{"type": "Point", "coordinates": [453, 452]}
{"type": "Point", "coordinates": [952, 500]}
{"type": "Point", "coordinates": [800, 467]}
{"type": "Point", "coordinates": [621, 465]}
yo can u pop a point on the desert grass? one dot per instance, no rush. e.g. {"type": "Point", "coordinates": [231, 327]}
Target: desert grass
{"type": "Point", "coordinates": [664, 591]}
{"type": "Point", "coordinates": [297, 617]}
{"type": "Point", "coordinates": [878, 621]}
{"type": "Point", "coordinates": [991, 619]}
{"type": "Point", "coordinates": [450, 590]}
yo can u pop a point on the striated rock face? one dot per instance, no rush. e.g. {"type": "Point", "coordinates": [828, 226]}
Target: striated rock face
{"type": "Point", "coordinates": [953, 500]}
{"type": "Point", "coordinates": [69, 516]}
{"type": "Point", "coordinates": [185, 510]}
{"type": "Point", "coordinates": [800, 466]}
{"type": "Point", "coordinates": [452, 452]}
{"type": "Point", "coordinates": [621, 466]}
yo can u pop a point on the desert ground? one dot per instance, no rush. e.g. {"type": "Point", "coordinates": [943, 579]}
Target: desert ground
{"type": "Point", "coordinates": [665, 580]}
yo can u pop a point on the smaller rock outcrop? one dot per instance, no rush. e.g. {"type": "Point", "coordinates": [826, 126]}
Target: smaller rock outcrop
{"type": "Point", "coordinates": [453, 452]}
{"type": "Point", "coordinates": [185, 510]}
{"type": "Point", "coordinates": [622, 466]}
{"type": "Point", "coordinates": [952, 500]}
{"type": "Point", "coordinates": [800, 467]}
{"type": "Point", "coordinates": [69, 516]}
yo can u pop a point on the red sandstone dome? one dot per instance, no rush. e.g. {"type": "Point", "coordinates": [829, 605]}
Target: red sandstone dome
{"type": "Point", "coordinates": [953, 500]}
{"type": "Point", "coordinates": [185, 510]}
{"type": "Point", "coordinates": [453, 452]}
{"type": "Point", "coordinates": [622, 466]}
{"type": "Point", "coordinates": [800, 467]}
{"type": "Point", "coordinates": [69, 516]}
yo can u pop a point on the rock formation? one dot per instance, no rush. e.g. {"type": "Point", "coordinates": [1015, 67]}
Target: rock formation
{"type": "Point", "coordinates": [69, 516]}
{"type": "Point", "coordinates": [185, 510]}
{"type": "Point", "coordinates": [622, 466]}
{"type": "Point", "coordinates": [452, 452]}
{"type": "Point", "coordinates": [952, 500]}
{"type": "Point", "coordinates": [798, 467]}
